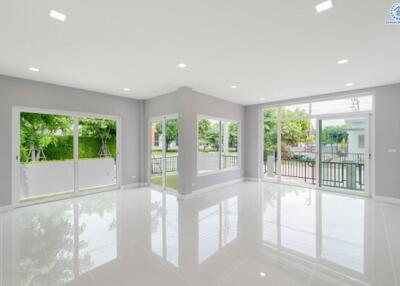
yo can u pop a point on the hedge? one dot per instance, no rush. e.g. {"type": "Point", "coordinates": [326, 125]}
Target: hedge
{"type": "Point", "coordinates": [63, 149]}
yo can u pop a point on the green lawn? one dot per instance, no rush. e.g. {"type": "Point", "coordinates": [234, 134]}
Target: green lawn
{"type": "Point", "coordinates": [158, 153]}
{"type": "Point", "coordinates": [172, 180]}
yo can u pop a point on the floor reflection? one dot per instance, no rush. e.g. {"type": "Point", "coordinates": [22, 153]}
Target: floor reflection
{"type": "Point", "coordinates": [217, 227]}
{"type": "Point", "coordinates": [58, 243]}
{"type": "Point", "coordinates": [252, 233]}
{"type": "Point", "coordinates": [319, 226]}
{"type": "Point", "coordinates": [164, 226]}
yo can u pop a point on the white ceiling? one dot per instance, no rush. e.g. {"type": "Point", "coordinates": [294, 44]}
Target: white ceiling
{"type": "Point", "coordinates": [273, 49]}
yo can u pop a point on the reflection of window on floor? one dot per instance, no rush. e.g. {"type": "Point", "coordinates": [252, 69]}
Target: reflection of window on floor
{"type": "Point", "coordinates": [270, 217]}
{"type": "Point", "coordinates": [79, 238]}
{"type": "Point", "coordinates": [98, 235]}
{"type": "Point", "coordinates": [164, 227]}
{"type": "Point", "coordinates": [217, 227]}
{"type": "Point", "coordinates": [298, 222]}
{"type": "Point", "coordinates": [342, 239]}
{"type": "Point", "coordinates": [343, 235]}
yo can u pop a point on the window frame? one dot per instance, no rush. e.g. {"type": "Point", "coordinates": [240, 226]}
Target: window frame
{"type": "Point", "coordinates": [221, 121]}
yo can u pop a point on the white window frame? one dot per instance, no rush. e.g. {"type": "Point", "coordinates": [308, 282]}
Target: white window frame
{"type": "Point", "coordinates": [220, 169]}
{"type": "Point", "coordinates": [163, 119]}
{"type": "Point", "coordinates": [15, 154]}
{"type": "Point", "coordinates": [369, 144]}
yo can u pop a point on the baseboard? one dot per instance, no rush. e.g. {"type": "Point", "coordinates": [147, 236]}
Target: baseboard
{"type": "Point", "coordinates": [134, 186]}
{"type": "Point", "coordinates": [7, 208]}
{"type": "Point", "coordinates": [388, 200]}
{"type": "Point", "coordinates": [208, 189]}
{"type": "Point", "coordinates": [251, 179]}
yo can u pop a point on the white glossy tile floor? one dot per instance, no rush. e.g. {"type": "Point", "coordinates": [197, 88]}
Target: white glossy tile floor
{"type": "Point", "coordinates": [245, 234]}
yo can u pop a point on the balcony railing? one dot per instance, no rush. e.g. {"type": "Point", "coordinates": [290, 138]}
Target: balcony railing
{"type": "Point", "coordinates": [171, 163]}
{"type": "Point", "coordinates": [336, 170]}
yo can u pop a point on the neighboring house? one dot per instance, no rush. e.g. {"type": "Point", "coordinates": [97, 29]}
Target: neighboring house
{"type": "Point", "coordinates": [356, 135]}
{"type": "Point", "coordinates": [157, 140]}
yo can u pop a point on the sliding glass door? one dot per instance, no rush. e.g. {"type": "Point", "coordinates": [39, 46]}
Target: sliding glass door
{"type": "Point", "coordinates": [343, 152]}
{"type": "Point", "coordinates": [97, 153]}
{"type": "Point", "coordinates": [323, 144]}
{"type": "Point", "coordinates": [57, 153]}
{"type": "Point", "coordinates": [164, 152]}
{"type": "Point", "coordinates": [46, 155]}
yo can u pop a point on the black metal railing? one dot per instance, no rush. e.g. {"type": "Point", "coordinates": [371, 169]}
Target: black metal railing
{"type": "Point", "coordinates": [171, 164]}
{"type": "Point", "coordinates": [336, 170]}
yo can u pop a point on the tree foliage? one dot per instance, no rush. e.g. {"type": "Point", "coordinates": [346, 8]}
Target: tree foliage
{"type": "Point", "coordinates": [171, 130]}
{"type": "Point", "coordinates": [47, 134]}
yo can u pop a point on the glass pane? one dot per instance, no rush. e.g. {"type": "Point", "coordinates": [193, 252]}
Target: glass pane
{"type": "Point", "coordinates": [46, 155]}
{"type": "Point", "coordinates": [230, 145]}
{"type": "Point", "coordinates": [156, 162]}
{"type": "Point", "coordinates": [270, 142]}
{"type": "Point", "coordinates": [351, 104]}
{"type": "Point", "coordinates": [97, 153]}
{"type": "Point", "coordinates": [342, 148]}
{"type": "Point", "coordinates": [295, 111]}
{"type": "Point", "coordinates": [172, 152]}
{"type": "Point", "coordinates": [298, 150]}
{"type": "Point", "coordinates": [208, 145]}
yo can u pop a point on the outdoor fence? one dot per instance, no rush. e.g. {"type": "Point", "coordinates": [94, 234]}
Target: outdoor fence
{"type": "Point", "coordinates": [336, 170]}
{"type": "Point", "coordinates": [171, 163]}
{"type": "Point", "coordinates": [230, 161]}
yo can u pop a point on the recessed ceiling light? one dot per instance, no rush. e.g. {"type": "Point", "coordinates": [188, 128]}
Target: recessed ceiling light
{"type": "Point", "coordinates": [350, 84]}
{"type": "Point", "coordinates": [127, 89]}
{"type": "Point", "coordinates": [326, 5]}
{"type": "Point", "coordinates": [182, 65]}
{"type": "Point", "coordinates": [344, 61]}
{"type": "Point", "coordinates": [57, 15]}
{"type": "Point", "coordinates": [263, 274]}
{"type": "Point", "coordinates": [234, 86]}
{"type": "Point", "coordinates": [262, 98]}
{"type": "Point", "coordinates": [33, 69]}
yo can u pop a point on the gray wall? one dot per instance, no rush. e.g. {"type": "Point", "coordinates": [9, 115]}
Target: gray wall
{"type": "Point", "coordinates": [188, 104]}
{"type": "Point", "coordinates": [386, 120]}
{"type": "Point", "coordinates": [21, 92]}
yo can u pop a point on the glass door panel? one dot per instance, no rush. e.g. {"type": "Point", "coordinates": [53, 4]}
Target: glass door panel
{"type": "Point", "coordinates": [270, 150]}
{"type": "Point", "coordinates": [97, 153]}
{"type": "Point", "coordinates": [46, 158]}
{"type": "Point", "coordinates": [156, 153]}
{"type": "Point", "coordinates": [343, 153]}
{"type": "Point", "coordinates": [298, 150]}
{"type": "Point", "coordinates": [209, 131]}
{"type": "Point", "coordinates": [171, 153]}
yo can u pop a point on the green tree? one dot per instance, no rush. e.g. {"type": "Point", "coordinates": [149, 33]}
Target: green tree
{"type": "Point", "coordinates": [38, 131]}
{"type": "Point", "coordinates": [102, 129]}
{"type": "Point", "coordinates": [333, 135]}
{"type": "Point", "coordinates": [171, 129]}
{"type": "Point", "coordinates": [270, 132]}
{"type": "Point", "coordinates": [233, 134]}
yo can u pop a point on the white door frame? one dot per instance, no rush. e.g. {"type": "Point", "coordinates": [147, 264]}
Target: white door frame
{"type": "Point", "coordinates": [367, 155]}
{"type": "Point", "coordinates": [368, 151]}
{"type": "Point", "coordinates": [15, 154]}
{"type": "Point", "coordinates": [163, 119]}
